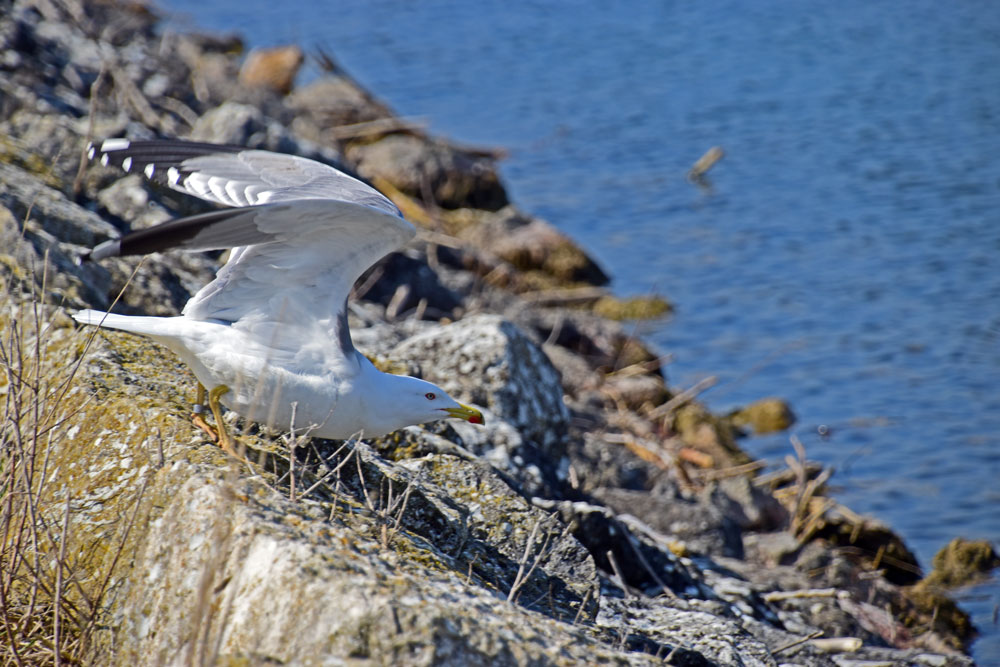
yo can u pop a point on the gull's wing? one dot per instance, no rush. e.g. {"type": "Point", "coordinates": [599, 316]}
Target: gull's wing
{"type": "Point", "coordinates": [308, 234]}
{"type": "Point", "coordinates": [234, 176]}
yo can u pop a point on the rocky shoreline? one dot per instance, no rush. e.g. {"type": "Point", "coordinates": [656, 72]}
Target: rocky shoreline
{"type": "Point", "coordinates": [601, 515]}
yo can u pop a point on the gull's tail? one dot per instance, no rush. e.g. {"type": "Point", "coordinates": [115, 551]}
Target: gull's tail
{"type": "Point", "coordinates": [148, 326]}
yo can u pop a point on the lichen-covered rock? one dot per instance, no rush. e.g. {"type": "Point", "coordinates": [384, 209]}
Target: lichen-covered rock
{"type": "Point", "coordinates": [488, 361]}
{"type": "Point", "coordinates": [632, 308]}
{"type": "Point", "coordinates": [961, 562]}
{"type": "Point", "coordinates": [768, 415]}
{"type": "Point", "coordinates": [66, 221]}
{"type": "Point", "coordinates": [44, 145]}
{"type": "Point", "coordinates": [230, 571]}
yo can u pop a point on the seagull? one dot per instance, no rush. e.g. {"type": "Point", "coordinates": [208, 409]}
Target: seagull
{"type": "Point", "coordinates": [268, 337]}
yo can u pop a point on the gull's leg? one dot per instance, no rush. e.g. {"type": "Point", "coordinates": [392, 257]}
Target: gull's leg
{"type": "Point", "coordinates": [197, 419]}
{"type": "Point", "coordinates": [226, 441]}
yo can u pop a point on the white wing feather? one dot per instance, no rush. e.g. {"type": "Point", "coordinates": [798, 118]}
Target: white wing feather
{"type": "Point", "coordinates": [301, 234]}
{"type": "Point", "coordinates": [319, 248]}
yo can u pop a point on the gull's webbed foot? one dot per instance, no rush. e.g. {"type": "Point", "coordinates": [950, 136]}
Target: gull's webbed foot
{"type": "Point", "coordinates": [225, 440]}
{"type": "Point", "coordinates": [198, 410]}
{"type": "Point", "coordinates": [218, 434]}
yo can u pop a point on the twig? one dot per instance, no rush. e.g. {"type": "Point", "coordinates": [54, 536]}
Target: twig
{"type": "Point", "coordinates": [95, 89]}
{"type": "Point", "coordinates": [291, 454]}
{"type": "Point", "coordinates": [734, 471]}
{"type": "Point", "coordinates": [364, 488]}
{"type": "Point", "coordinates": [583, 605]}
{"type": "Point", "coordinates": [801, 640]}
{"type": "Point", "coordinates": [336, 469]}
{"type": "Point", "coordinates": [379, 126]}
{"type": "Point", "coordinates": [56, 634]}
{"type": "Point", "coordinates": [618, 574]}
{"type": "Point", "coordinates": [564, 297]}
{"type": "Point", "coordinates": [649, 568]}
{"type": "Point", "coordinates": [684, 397]}
{"type": "Point", "coordinates": [521, 578]}
{"type": "Point", "coordinates": [186, 113]}
{"type": "Point", "coordinates": [778, 596]}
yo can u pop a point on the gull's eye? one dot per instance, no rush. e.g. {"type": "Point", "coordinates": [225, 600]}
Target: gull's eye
{"type": "Point", "coordinates": [430, 396]}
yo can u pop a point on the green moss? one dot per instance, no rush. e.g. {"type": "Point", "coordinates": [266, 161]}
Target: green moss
{"type": "Point", "coordinates": [702, 430]}
{"type": "Point", "coordinates": [962, 562]}
{"type": "Point", "coordinates": [632, 308]}
{"type": "Point", "coordinates": [566, 261]}
{"type": "Point", "coordinates": [13, 266]}
{"type": "Point", "coordinates": [536, 280]}
{"type": "Point", "coordinates": [388, 365]}
{"type": "Point", "coordinates": [459, 220]}
{"type": "Point", "coordinates": [630, 351]}
{"type": "Point", "coordinates": [12, 153]}
{"type": "Point", "coordinates": [768, 415]}
{"type": "Point", "coordinates": [936, 610]}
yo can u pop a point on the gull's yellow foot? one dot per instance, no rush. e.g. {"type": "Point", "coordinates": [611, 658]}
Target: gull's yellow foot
{"type": "Point", "coordinates": [225, 440]}
{"type": "Point", "coordinates": [199, 409]}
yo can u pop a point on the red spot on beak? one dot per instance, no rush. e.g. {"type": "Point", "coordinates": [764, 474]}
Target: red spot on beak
{"type": "Point", "coordinates": [465, 413]}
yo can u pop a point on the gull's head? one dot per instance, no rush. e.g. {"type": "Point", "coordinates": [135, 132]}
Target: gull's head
{"type": "Point", "coordinates": [416, 401]}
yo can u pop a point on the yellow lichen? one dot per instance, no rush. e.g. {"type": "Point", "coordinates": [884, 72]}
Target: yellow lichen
{"type": "Point", "coordinates": [768, 415]}
{"type": "Point", "coordinates": [632, 308]}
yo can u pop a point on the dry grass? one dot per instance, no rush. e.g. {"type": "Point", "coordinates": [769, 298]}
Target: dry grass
{"type": "Point", "coordinates": [57, 561]}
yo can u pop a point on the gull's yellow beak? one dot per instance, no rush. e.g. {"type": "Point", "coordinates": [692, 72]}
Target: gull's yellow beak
{"type": "Point", "coordinates": [465, 413]}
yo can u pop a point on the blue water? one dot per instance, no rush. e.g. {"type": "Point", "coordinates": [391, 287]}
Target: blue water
{"type": "Point", "coordinates": [847, 253]}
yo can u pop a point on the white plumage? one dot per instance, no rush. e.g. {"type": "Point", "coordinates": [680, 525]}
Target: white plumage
{"type": "Point", "coordinates": [272, 326]}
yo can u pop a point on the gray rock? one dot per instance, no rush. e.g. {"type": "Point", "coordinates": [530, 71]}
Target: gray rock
{"type": "Point", "coordinates": [695, 637]}
{"type": "Point", "coordinates": [238, 124]}
{"type": "Point", "coordinates": [487, 361]}
{"type": "Point", "coordinates": [230, 571]}
{"type": "Point", "coordinates": [35, 222]}
{"type": "Point", "coordinates": [747, 504]}
{"type": "Point", "coordinates": [422, 168]}
{"type": "Point", "coordinates": [21, 192]}
{"type": "Point", "coordinates": [531, 244]}
{"type": "Point", "coordinates": [129, 199]}
{"type": "Point", "coordinates": [335, 100]}
{"type": "Point", "coordinates": [700, 525]}
{"type": "Point", "coordinates": [47, 144]}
